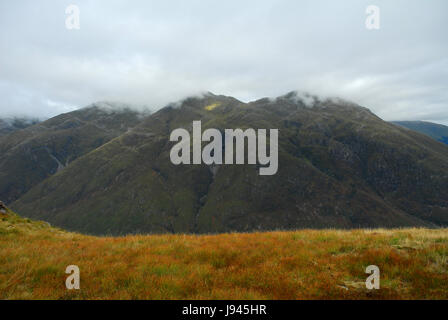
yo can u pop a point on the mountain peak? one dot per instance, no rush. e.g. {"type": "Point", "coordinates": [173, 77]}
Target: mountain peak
{"type": "Point", "coordinates": [339, 166]}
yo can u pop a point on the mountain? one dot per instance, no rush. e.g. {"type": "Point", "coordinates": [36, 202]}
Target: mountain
{"type": "Point", "coordinates": [8, 125]}
{"type": "Point", "coordinates": [436, 131]}
{"type": "Point", "coordinates": [339, 166]}
{"type": "Point", "coordinates": [30, 155]}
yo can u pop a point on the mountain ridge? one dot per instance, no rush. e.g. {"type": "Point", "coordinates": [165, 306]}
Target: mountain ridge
{"type": "Point", "coordinates": [34, 153]}
{"type": "Point", "coordinates": [436, 131]}
{"type": "Point", "coordinates": [339, 166]}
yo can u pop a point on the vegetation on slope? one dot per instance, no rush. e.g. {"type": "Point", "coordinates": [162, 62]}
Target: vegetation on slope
{"type": "Point", "coordinates": [340, 166]}
{"type": "Point", "coordinates": [324, 264]}
{"type": "Point", "coordinates": [33, 154]}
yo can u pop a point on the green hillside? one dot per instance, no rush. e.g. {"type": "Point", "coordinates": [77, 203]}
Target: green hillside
{"type": "Point", "coordinates": [340, 166]}
{"type": "Point", "coordinates": [31, 155]}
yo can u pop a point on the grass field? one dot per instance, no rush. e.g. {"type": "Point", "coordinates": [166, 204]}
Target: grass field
{"type": "Point", "coordinates": [308, 264]}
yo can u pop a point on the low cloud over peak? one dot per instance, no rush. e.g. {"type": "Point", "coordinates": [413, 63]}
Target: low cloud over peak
{"type": "Point", "coordinates": [152, 53]}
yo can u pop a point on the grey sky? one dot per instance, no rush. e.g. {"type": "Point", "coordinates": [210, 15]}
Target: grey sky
{"type": "Point", "coordinates": [152, 53]}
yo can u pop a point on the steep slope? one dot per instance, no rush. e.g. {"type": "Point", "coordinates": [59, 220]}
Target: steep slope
{"type": "Point", "coordinates": [339, 166]}
{"type": "Point", "coordinates": [30, 155]}
{"type": "Point", "coordinates": [436, 131]}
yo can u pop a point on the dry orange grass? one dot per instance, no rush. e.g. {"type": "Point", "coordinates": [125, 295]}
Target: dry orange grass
{"type": "Point", "coordinates": [308, 264]}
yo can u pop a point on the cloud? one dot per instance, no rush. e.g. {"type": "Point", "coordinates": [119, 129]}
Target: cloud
{"type": "Point", "coordinates": [152, 53]}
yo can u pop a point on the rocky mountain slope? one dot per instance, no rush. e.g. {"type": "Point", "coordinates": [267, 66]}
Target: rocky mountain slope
{"type": "Point", "coordinates": [30, 155]}
{"type": "Point", "coordinates": [340, 166]}
{"type": "Point", "coordinates": [434, 130]}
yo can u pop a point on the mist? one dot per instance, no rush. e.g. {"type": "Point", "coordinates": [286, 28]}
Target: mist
{"type": "Point", "coordinates": [149, 54]}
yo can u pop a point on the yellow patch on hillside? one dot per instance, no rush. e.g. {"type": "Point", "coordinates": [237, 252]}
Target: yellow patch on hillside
{"type": "Point", "coordinates": [212, 106]}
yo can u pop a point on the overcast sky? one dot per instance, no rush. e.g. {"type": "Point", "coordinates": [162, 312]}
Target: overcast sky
{"type": "Point", "coordinates": [152, 53]}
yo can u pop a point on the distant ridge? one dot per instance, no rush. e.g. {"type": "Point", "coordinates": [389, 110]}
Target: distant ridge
{"type": "Point", "coordinates": [34, 153]}
{"type": "Point", "coordinates": [436, 131]}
